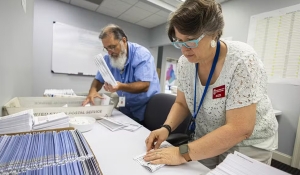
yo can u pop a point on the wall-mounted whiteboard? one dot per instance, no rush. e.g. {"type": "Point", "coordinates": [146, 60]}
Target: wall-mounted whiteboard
{"type": "Point", "coordinates": [74, 50]}
{"type": "Point", "coordinates": [275, 36]}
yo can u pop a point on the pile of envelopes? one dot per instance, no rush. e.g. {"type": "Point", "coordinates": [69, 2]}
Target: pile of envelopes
{"type": "Point", "coordinates": [18, 122]}
{"type": "Point", "coordinates": [59, 120]}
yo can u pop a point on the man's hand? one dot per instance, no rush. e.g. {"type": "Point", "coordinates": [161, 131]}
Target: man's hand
{"type": "Point", "coordinates": [111, 88]}
{"type": "Point", "coordinates": [90, 98]}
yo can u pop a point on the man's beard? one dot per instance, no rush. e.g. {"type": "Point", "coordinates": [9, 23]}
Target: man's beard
{"type": "Point", "coordinates": [119, 61]}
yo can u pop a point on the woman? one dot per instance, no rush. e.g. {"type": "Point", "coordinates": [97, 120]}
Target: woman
{"type": "Point", "coordinates": [236, 113]}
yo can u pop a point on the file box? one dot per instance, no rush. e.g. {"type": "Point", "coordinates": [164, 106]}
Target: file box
{"type": "Point", "coordinates": [58, 130]}
{"type": "Point", "coordinates": [50, 105]}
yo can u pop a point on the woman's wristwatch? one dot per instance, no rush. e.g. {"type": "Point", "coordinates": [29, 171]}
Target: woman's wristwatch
{"type": "Point", "coordinates": [184, 151]}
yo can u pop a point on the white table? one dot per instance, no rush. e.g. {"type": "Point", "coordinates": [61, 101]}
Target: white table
{"type": "Point", "coordinates": [115, 151]}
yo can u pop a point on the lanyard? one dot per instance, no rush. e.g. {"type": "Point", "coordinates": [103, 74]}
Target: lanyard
{"type": "Point", "coordinates": [122, 75]}
{"type": "Point", "coordinates": [192, 124]}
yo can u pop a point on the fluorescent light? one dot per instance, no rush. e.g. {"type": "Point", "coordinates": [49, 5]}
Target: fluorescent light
{"type": "Point", "coordinates": [162, 4]}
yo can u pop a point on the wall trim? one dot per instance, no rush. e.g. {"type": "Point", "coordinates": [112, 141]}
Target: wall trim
{"type": "Point", "coordinates": [281, 157]}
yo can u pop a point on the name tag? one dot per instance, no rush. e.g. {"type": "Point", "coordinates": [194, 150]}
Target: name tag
{"type": "Point", "coordinates": [121, 102]}
{"type": "Point", "coordinates": [219, 92]}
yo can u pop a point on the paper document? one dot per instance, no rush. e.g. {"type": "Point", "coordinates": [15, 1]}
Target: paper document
{"type": "Point", "coordinates": [115, 125]}
{"type": "Point", "coordinates": [110, 123]}
{"type": "Point", "coordinates": [105, 100]}
{"type": "Point", "coordinates": [237, 164]}
{"type": "Point", "coordinates": [131, 127]}
{"type": "Point", "coordinates": [148, 165]}
{"type": "Point", "coordinates": [104, 70]}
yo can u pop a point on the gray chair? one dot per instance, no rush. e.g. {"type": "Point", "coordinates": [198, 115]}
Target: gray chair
{"type": "Point", "coordinates": [156, 113]}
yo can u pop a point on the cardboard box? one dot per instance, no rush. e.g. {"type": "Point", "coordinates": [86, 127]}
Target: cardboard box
{"type": "Point", "coordinates": [51, 105]}
{"type": "Point", "coordinates": [57, 130]}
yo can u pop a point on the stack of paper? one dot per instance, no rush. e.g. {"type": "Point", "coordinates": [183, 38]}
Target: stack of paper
{"type": "Point", "coordinates": [115, 125]}
{"type": "Point", "coordinates": [148, 165]}
{"type": "Point", "coordinates": [104, 70]}
{"type": "Point", "coordinates": [239, 164]}
{"type": "Point", "coordinates": [18, 122]}
{"type": "Point", "coordinates": [59, 120]}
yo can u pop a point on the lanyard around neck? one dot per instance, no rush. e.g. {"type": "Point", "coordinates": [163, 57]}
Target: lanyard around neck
{"type": "Point", "coordinates": [192, 125]}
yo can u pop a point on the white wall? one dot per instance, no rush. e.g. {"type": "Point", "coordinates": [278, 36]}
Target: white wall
{"type": "Point", "coordinates": [159, 36]}
{"type": "Point", "coordinates": [16, 33]}
{"type": "Point", "coordinates": [237, 15]}
{"type": "Point", "coordinates": [47, 11]}
{"type": "Point", "coordinates": [154, 52]}
{"type": "Point", "coordinates": [286, 98]}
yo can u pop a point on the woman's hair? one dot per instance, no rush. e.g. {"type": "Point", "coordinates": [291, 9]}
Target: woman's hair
{"type": "Point", "coordinates": [115, 30]}
{"type": "Point", "coordinates": [195, 17]}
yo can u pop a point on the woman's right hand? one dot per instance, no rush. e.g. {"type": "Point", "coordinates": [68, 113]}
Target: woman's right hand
{"type": "Point", "coordinates": [156, 137]}
{"type": "Point", "coordinates": [90, 98]}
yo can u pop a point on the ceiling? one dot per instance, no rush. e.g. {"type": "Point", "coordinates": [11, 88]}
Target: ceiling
{"type": "Point", "coordinates": [146, 13]}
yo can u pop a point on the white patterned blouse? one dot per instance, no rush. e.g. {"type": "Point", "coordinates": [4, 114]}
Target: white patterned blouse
{"type": "Point", "coordinates": [244, 82]}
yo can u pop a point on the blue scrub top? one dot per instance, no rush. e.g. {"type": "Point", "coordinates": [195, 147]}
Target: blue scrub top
{"type": "Point", "coordinates": [138, 67]}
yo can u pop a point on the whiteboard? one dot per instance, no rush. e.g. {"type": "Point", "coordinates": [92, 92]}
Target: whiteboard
{"type": "Point", "coordinates": [275, 35]}
{"type": "Point", "coordinates": [74, 50]}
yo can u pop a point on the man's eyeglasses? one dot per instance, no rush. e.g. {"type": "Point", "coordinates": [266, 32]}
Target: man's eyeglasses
{"type": "Point", "coordinates": [188, 44]}
{"type": "Point", "coordinates": [111, 47]}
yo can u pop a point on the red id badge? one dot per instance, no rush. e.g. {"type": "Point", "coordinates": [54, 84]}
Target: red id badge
{"type": "Point", "coordinates": [219, 92]}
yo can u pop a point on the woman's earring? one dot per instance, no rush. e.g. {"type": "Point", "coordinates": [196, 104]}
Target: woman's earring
{"type": "Point", "coordinates": [213, 43]}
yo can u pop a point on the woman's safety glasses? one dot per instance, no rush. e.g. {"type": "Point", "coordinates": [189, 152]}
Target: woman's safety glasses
{"type": "Point", "coordinates": [188, 44]}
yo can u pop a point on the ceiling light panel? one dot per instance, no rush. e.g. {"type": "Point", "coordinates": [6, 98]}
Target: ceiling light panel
{"type": "Point", "coordinates": [163, 5]}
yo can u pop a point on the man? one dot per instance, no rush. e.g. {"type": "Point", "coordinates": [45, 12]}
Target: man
{"type": "Point", "coordinates": [132, 66]}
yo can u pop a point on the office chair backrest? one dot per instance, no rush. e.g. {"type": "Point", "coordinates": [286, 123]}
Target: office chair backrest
{"type": "Point", "coordinates": [157, 111]}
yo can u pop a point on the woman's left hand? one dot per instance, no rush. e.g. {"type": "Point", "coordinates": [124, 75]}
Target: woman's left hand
{"type": "Point", "coordinates": [168, 156]}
